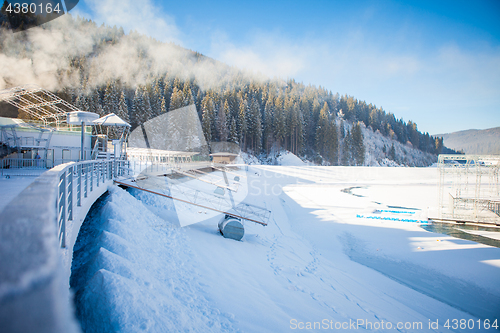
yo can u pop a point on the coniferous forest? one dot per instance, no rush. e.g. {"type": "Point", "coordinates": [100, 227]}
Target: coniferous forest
{"type": "Point", "coordinates": [103, 70]}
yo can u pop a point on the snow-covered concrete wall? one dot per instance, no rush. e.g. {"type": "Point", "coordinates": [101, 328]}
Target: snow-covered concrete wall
{"type": "Point", "coordinates": [34, 296]}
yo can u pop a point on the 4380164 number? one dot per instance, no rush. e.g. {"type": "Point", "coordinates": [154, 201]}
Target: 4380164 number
{"type": "Point", "coordinates": [33, 8]}
{"type": "Point", "coordinates": [471, 324]}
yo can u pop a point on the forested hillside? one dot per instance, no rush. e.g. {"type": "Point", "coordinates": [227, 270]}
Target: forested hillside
{"type": "Point", "coordinates": [103, 70]}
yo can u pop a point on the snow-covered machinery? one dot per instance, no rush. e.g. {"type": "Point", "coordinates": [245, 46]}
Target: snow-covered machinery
{"type": "Point", "coordinates": [231, 227]}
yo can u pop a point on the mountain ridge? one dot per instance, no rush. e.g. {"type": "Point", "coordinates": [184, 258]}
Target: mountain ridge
{"type": "Point", "coordinates": [474, 141]}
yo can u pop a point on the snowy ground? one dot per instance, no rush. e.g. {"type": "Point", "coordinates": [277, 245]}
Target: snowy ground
{"type": "Point", "coordinates": [12, 186]}
{"type": "Point", "coordinates": [317, 263]}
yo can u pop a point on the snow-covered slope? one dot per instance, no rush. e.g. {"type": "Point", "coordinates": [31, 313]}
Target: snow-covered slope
{"type": "Point", "coordinates": [316, 261]}
{"type": "Point", "coordinates": [405, 154]}
{"type": "Point", "coordinates": [133, 271]}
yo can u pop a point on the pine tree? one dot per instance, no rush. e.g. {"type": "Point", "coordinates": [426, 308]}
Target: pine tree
{"type": "Point", "coordinates": [233, 135]}
{"type": "Point", "coordinates": [267, 134]}
{"type": "Point", "coordinates": [81, 103]}
{"type": "Point", "coordinates": [110, 103]}
{"type": "Point", "coordinates": [254, 127]}
{"type": "Point", "coordinates": [392, 153]}
{"type": "Point", "coordinates": [187, 95]}
{"type": "Point", "coordinates": [333, 140]}
{"type": "Point", "coordinates": [346, 149]}
{"type": "Point", "coordinates": [208, 121]}
{"type": "Point", "coordinates": [147, 110]}
{"type": "Point", "coordinates": [258, 131]}
{"type": "Point", "coordinates": [342, 129]}
{"type": "Point", "coordinates": [137, 108]}
{"type": "Point", "coordinates": [156, 98]}
{"type": "Point", "coordinates": [222, 127]}
{"type": "Point", "coordinates": [123, 108]}
{"type": "Point", "coordinates": [242, 122]}
{"type": "Point", "coordinates": [323, 132]}
{"type": "Point", "coordinates": [167, 93]}
{"type": "Point", "coordinates": [320, 129]}
{"type": "Point", "coordinates": [163, 105]}
{"type": "Point", "coordinates": [279, 121]}
{"type": "Point", "coordinates": [358, 147]}
{"type": "Point", "coordinates": [177, 99]}
{"type": "Point", "coordinates": [95, 103]}
{"type": "Point", "coordinates": [438, 145]}
{"type": "Point", "coordinates": [299, 131]}
{"type": "Point", "coordinates": [199, 99]}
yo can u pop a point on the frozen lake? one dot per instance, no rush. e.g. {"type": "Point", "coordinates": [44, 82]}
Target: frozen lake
{"type": "Point", "coordinates": [320, 262]}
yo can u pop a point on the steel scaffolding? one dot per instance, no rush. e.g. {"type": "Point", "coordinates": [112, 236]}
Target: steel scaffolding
{"type": "Point", "coordinates": [469, 188]}
{"type": "Point", "coordinates": [39, 103]}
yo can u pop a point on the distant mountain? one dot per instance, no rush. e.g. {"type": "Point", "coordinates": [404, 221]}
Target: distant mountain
{"type": "Point", "coordinates": [474, 141]}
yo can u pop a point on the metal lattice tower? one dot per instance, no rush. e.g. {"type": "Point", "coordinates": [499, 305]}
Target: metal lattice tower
{"type": "Point", "coordinates": [469, 188]}
{"type": "Point", "coordinates": [39, 103]}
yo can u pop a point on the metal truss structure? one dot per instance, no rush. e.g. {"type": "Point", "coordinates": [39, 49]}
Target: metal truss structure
{"type": "Point", "coordinates": [40, 104]}
{"type": "Point", "coordinates": [217, 203]}
{"type": "Point", "coordinates": [170, 181]}
{"type": "Point", "coordinates": [469, 188]}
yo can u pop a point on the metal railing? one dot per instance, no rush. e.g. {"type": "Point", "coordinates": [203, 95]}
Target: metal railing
{"type": "Point", "coordinates": [139, 166]}
{"type": "Point", "coordinates": [24, 167]}
{"type": "Point", "coordinates": [77, 180]}
{"type": "Point", "coordinates": [29, 167]}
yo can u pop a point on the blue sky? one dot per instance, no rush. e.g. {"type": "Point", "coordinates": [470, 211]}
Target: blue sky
{"type": "Point", "coordinates": [433, 62]}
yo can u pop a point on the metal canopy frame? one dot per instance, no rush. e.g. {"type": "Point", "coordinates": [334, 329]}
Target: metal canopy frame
{"type": "Point", "coordinates": [38, 103]}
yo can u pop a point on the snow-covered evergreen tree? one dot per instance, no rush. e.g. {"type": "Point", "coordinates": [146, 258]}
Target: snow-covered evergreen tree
{"type": "Point", "coordinates": [176, 100]}
{"type": "Point", "coordinates": [122, 111]}
{"type": "Point", "coordinates": [222, 127]}
{"type": "Point", "coordinates": [358, 148]}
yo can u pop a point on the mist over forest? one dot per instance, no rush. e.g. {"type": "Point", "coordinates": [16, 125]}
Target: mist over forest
{"type": "Point", "coordinates": [103, 70]}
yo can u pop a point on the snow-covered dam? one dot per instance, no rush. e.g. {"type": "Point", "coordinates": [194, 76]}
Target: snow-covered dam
{"type": "Point", "coordinates": [316, 265]}
{"type": "Point", "coordinates": [39, 228]}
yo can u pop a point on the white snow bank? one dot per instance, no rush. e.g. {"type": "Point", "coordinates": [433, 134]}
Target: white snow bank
{"type": "Point", "coordinates": [246, 158]}
{"type": "Point", "coordinates": [133, 271]}
{"type": "Point", "coordinates": [286, 158]}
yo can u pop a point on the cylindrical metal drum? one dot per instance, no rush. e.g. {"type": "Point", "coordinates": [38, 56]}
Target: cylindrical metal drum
{"type": "Point", "coordinates": [231, 227]}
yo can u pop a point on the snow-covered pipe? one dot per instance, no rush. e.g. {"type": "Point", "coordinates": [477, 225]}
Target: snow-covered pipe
{"type": "Point", "coordinates": [231, 227]}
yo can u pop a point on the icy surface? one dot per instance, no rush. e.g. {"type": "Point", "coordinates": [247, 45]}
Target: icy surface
{"type": "Point", "coordinates": [135, 269]}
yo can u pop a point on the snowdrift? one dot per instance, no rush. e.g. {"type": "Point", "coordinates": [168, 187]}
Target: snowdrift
{"type": "Point", "coordinates": [133, 271]}
{"type": "Point", "coordinates": [316, 263]}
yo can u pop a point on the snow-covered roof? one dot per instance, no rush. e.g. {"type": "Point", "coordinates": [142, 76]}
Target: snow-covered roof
{"type": "Point", "coordinates": [111, 120]}
{"type": "Point", "coordinates": [159, 152]}
{"type": "Point", "coordinates": [223, 154]}
{"type": "Point", "coordinates": [10, 121]}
